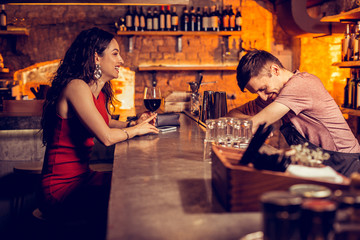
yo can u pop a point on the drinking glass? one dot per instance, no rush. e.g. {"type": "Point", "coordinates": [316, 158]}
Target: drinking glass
{"type": "Point", "coordinates": [229, 131]}
{"type": "Point", "coordinates": [221, 129]}
{"type": "Point", "coordinates": [152, 98]}
{"type": "Point", "coordinates": [242, 133]}
{"type": "Point", "coordinates": [210, 137]}
{"type": "Point", "coordinates": [246, 133]}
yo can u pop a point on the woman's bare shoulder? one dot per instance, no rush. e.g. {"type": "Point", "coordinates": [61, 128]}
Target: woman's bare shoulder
{"type": "Point", "coordinates": [75, 83]}
{"type": "Point", "coordinates": [77, 86]}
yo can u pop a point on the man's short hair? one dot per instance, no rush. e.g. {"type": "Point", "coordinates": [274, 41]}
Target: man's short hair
{"type": "Point", "coordinates": [251, 65]}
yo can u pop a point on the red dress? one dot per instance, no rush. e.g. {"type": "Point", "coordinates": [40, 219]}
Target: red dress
{"type": "Point", "coordinates": [66, 163]}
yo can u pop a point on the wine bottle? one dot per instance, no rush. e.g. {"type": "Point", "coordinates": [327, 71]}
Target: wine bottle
{"type": "Point", "coordinates": [174, 20]}
{"type": "Point", "coordinates": [357, 91]}
{"type": "Point", "coordinates": [162, 18]}
{"type": "Point", "coordinates": [3, 18]}
{"type": "Point", "coordinates": [345, 43]}
{"type": "Point", "coordinates": [353, 90]}
{"type": "Point", "coordinates": [214, 19]}
{"type": "Point", "coordinates": [232, 19]}
{"type": "Point", "coordinates": [185, 20]}
{"type": "Point", "coordinates": [149, 20]}
{"type": "Point", "coordinates": [142, 20]}
{"type": "Point", "coordinates": [225, 20]}
{"type": "Point", "coordinates": [156, 20]}
{"type": "Point", "coordinates": [352, 44]}
{"type": "Point", "coordinates": [198, 26]}
{"type": "Point", "coordinates": [129, 19]}
{"type": "Point", "coordinates": [355, 55]}
{"type": "Point", "coordinates": [218, 14]}
{"type": "Point", "coordinates": [192, 19]}
{"type": "Point", "coordinates": [205, 20]}
{"type": "Point", "coordinates": [346, 93]}
{"type": "Point", "coordinates": [238, 20]}
{"type": "Point", "coordinates": [168, 18]}
{"type": "Point", "coordinates": [136, 19]}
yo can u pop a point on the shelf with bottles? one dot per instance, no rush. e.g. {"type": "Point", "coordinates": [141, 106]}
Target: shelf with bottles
{"type": "Point", "coordinates": [350, 111]}
{"type": "Point", "coordinates": [15, 31]}
{"type": "Point", "coordinates": [351, 15]}
{"type": "Point", "coordinates": [187, 68]}
{"type": "Point", "coordinates": [166, 22]}
{"type": "Point", "coordinates": [196, 68]}
{"type": "Point", "coordinates": [347, 64]}
{"type": "Point", "coordinates": [178, 33]}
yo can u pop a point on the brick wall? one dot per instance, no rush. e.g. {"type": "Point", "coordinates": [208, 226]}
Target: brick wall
{"type": "Point", "coordinates": [53, 28]}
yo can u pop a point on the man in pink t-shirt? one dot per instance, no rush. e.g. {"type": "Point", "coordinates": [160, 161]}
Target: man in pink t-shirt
{"type": "Point", "coordinates": [300, 100]}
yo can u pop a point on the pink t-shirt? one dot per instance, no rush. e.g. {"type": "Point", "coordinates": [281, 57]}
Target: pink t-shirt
{"type": "Point", "coordinates": [316, 115]}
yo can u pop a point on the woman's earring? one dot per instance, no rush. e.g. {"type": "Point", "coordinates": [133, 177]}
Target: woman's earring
{"type": "Point", "coordinates": [97, 72]}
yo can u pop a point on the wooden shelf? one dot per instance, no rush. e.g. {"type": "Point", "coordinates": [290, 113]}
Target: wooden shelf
{"type": "Point", "coordinates": [351, 15]}
{"type": "Point", "coordinates": [347, 64]}
{"type": "Point", "coordinates": [178, 33]}
{"type": "Point", "coordinates": [350, 111]}
{"type": "Point", "coordinates": [188, 68]}
{"type": "Point", "coordinates": [15, 31]}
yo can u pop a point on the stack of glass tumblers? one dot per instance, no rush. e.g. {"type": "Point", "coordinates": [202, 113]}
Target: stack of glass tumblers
{"type": "Point", "coordinates": [228, 132]}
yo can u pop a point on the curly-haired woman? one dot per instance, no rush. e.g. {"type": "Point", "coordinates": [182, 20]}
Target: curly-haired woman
{"type": "Point", "coordinates": [75, 111]}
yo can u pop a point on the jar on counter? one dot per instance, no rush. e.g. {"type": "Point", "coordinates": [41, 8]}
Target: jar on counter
{"type": "Point", "coordinates": [317, 219]}
{"type": "Point", "coordinates": [281, 215]}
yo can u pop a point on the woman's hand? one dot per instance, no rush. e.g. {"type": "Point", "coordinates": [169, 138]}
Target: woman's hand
{"type": "Point", "coordinates": [146, 125]}
{"type": "Point", "coordinates": [144, 116]}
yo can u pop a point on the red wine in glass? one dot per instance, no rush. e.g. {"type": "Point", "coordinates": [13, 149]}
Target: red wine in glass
{"type": "Point", "coordinates": [152, 104]}
{"type": "Point", "coordinates": [152, 98]}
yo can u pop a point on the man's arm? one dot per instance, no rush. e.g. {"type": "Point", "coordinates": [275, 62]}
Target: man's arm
{"type": "Point", "coordinates": [250, 108]}
{"type": "Point", "coordinates": [269, 115]}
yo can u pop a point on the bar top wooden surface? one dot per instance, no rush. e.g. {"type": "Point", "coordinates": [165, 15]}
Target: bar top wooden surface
{"type": "Point", "coordinates": [161, 189]}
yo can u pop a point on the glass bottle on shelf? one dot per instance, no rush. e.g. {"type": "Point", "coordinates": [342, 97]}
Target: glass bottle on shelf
{"type": "Point", "coordinates": [357, 91]}
{"type": "Point", "coordinates": [174, 20]}
{"type": "Point", "coordinates": [129, 19]}
{"type": "Point", "coordinates": [355, 55]}
{"type": "Point", "coordinates": [238, 20]}
{"type": "Point", "coordinates": [346, 93]}
{"type": "Point", "coordinates": [353, 88]}
{"type": "Point", "coordinates": [168, 18]}
{"type": "Point", "coordinates": [198, 26]}
{"type": "Point", "coordinates": [205, 20]}
{"type": "Point", "coordinates": [136, 19]}
{"type": "Point", "coordinates": [214, 19]}
{"type": "Point", "coordinates": [149, 20]}
{"type": "Point", "coordinates": [225, 20]}
{"type": "Point", "coordinates": [155, 20]}
{"type": "Point", "coordinates": [232, 25]}
{"type": "Point", "coordinates": [162, 19]}
{"type": "Point", "coordinates": [192, 19]}
{"type": "Point", "coordinates": [3, 18]}
{"type": "Point", "coordinates": [218, 14]}
{"type": "Point", "coordinates": [142, 20]}
{"type": "Point", "coordinates": [185, 20]}
{"type": "Point", "coordinates": [346, 43]}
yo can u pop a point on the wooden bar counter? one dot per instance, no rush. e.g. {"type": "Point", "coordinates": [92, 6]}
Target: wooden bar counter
{"type": "Point", "coordinates": [161, 189]}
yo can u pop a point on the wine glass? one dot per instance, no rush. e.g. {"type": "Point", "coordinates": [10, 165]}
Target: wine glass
{"type": "Point", "coordinates": [152, 98]}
